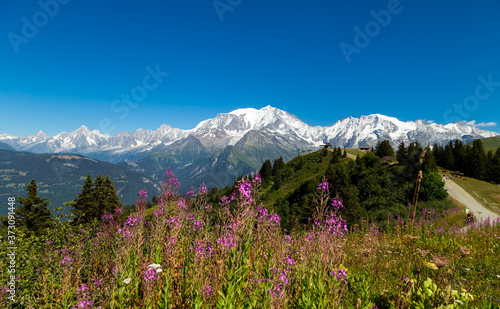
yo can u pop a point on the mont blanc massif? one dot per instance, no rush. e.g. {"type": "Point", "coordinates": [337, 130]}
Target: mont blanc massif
{"type": "Point", "coordinates": [215, 152]}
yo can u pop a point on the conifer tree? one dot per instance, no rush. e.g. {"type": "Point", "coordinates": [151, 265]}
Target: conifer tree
{"type": "Point", "coordinates": [266, 170]}
{"type": "Point", "coordinates": [383, 149]}
{"type": "Point", "coordinates": [85, 202]}
{"type": "Point", "coordinates": [335, 158]}
{"type": "Point", "coordinates": [402, 154]}
{"type": "Point", "coordinates": [477, 160]}
{"type": "Point", "coordinates": [97, 198]}
{"type": "Point", "coordinates": [33, 213]}
{"type": "Point", "coordinates": [429, 162]}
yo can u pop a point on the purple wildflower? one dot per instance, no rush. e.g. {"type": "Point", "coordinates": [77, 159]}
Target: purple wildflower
{"type": "Point", "coordinates": [323, 186]}
{"type": "Point", "coordinates": [276, 219]}
{"type": "Point", "coordinates": [143, 193]}
{"type": "Point", "coordinates": [206, 291]}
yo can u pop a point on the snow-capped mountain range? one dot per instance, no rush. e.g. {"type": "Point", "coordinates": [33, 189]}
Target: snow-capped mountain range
{"type": "Point", "coordinates": [246, 128]}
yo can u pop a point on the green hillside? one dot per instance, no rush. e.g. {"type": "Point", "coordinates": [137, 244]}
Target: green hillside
{"type": "Point", "coordinates": [369, 187]}
{"type": "Point", "coordinates": [491, 143]}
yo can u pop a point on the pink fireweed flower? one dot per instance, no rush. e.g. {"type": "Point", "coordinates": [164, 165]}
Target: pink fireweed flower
{"type": "Point", "coordinates": [245, 190]}
{"type": "Point", "coordinates": [131, 221]}
{"type": "Point", "coordinates": [66, 260]}
{"type": "Point", "coordinates": [206, 291]}
{"type": "Point", "coordinates": [224, 201]}
{"type": "Point", "coordinates": [323, 186]}
{"type": "Point", "coordinates": [276, 219]}
{"type": "Point", "coordinates": [208, 207]}
{"type": "Point", "coordinates": [107, 218]}
{"type": "Point", "coordinates": [340, 275]}
{"type": "Point", "coordinates": [118, 211]}
{"type": "Point", "coordinates": [98, 282]}
{"type": "Point", "coordinates": [86, 304]}
{"type": "Point", "coordinates": [83, 288]}
{"type": "Point", "coordinates": [173, 222]}
{"type": "Point", "coordinates": [203, 189]}
{"type": "Point", "coordinates": [152, 272]}
{"type": "Point", "coordinates": [227, 241]}
{"type": "Point", "coordinates": [143, 193]}
{"type": "Point", "coordinates": [289, 260]}
{"type": "Point", "coordinates": [182, 203]}
{"type": "Point", "coordinates": [190, 192]}
{"type": "Point", "coordinates": [337, 204]}
{"type": "Point", "coordinates": [263, 213]}
{"type": "Point", "coordinates": [256, 179]}
{"type": "Point", "coordinates": [158, 212]}
{"type": "Point", "coordinates": [198, 225]}
{"type": "Point", "coordinates": [202, 250]}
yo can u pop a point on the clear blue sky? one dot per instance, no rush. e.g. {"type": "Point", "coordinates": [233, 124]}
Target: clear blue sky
{"type": "Point", "coordinates": [68, 70]}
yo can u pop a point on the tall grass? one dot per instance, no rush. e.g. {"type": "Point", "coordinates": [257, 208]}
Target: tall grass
{"type": "Point", "coordinates": [189, 254]}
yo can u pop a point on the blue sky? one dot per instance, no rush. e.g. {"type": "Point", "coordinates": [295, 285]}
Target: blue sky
{"type": "Point", "coordinates": [67, 63]}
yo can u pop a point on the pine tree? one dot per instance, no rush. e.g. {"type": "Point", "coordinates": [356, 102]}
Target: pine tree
{"type": "Point", "coordinates": [266, 170]}
{"type": "Point", "coordinates": [494, 167]}
{"type": "Point", "coordinates": [402, 154]}
{"type": "Point", "coordinates": [97, 198]}
{"type": "Point", "coordinates": [33, 213]}
{"type": "Point", "coordinates": [85, 203]}
{"type": "Point", "coordinates": [383, 149]}
{"type": "Point", "coordinates": [335, 158]}
{"type": "Point", "coordinates": [477, 160]}
{"type": "Point", "coordinates": [278, 164]}
{"type": "Point", "coordinates": [429, 162]}
{"type": "Point", "coordinates": [112, 200]}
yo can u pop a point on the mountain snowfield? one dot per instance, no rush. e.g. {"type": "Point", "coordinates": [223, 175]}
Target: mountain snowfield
{"type": "Point", "coordinates": [241, 127]}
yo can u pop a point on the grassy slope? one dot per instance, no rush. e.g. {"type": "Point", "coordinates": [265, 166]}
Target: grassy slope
{"type": "Point", "coordinates": [310, 170]}
{"type": "Point", "coordinates": [491, 143]}
{"type": "Point", "coordinates": [484, 192]}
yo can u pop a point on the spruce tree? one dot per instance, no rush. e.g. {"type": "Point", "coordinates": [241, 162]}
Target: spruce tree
{"type": "Point", "coordinates": [402, 154]}
{"type": "Point", "coordinates": [383, 149]}
{"type": "Point", "coordinates": [266, 170]}
{"type": "Point", "coordinates": [97, 198]}
{"type": "Point", "coordinates": [477, 160]}
{"type": "Point", "coordinates": [33, 213]}
{"type": "Point", "coordinates": [85, 203]}
{"type": "Point", "coordinates": [112, 200]}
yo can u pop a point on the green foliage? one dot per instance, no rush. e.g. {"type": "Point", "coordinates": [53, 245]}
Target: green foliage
{"type": "Point", "coordinates": [97, 198]}
{"type": "Point", "coordinates": [33, 213]}
{"type": "Point", "coordinates": [383, 149]}
{"type": "Point", "coordinates": [432, 187]}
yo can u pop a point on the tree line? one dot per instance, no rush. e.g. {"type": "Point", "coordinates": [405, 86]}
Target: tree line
{"type": "Point", "coordinates": [470, 159]}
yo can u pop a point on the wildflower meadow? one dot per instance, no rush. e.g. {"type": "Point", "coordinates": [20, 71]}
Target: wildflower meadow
{"type": "Point", "coordinates": [186, 253]}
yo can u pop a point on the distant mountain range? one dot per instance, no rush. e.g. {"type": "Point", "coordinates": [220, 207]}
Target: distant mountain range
{"type": "Point", "coordinates": [246, 129]}
{"type": "Point", "coordinates": [230, 144]}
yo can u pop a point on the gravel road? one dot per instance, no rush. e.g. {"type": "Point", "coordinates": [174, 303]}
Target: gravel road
{"type": "Point", "coordinates": [465, 198]}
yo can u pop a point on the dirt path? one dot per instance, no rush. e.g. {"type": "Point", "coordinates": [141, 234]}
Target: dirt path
{"type": "Point", "coordinates": [465, 198]}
